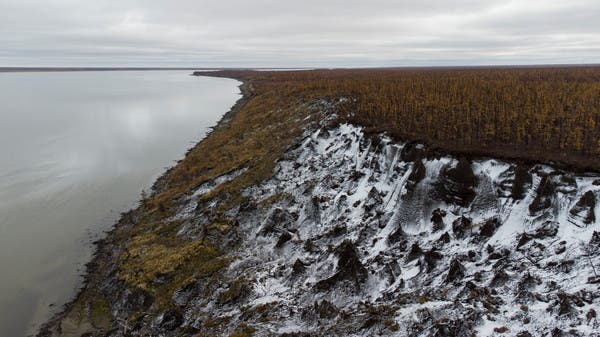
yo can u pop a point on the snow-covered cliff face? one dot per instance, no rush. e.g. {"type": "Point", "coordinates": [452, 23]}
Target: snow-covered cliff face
{"type": "Point", "coordinates": [361, 236]}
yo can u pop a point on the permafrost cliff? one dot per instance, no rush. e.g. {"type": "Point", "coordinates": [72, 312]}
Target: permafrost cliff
{"type": "Point", "coordinates": [357, 235]}
{"type": "Point", "coordinates": [365, 237]}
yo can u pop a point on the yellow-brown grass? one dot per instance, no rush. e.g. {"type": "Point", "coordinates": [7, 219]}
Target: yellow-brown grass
{"type": "Point", "coordinates": [536, 113]}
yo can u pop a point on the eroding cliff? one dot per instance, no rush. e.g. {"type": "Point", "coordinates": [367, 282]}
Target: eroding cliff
{"type": "Point", "coordinates": [345, 233]}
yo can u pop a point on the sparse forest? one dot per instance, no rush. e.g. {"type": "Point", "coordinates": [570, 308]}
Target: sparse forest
{"type": "Point", "coordinates": [537, 113]}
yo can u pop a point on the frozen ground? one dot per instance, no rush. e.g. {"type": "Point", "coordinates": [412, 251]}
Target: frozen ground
{"type": "Point", "coordinates": [361, 236]}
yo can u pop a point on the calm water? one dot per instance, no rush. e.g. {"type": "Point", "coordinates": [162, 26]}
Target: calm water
{"type": "Point", "coordinates": [76, 149]}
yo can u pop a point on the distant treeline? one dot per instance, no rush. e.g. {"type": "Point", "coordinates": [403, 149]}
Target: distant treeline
{"type": "Point", "coordinates": [538, 113]}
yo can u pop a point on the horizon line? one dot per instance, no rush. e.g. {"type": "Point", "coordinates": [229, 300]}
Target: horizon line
{"type": "Point", "coordinates": [129, 68]}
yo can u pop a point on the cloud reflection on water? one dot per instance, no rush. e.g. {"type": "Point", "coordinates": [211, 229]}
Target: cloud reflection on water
{"type": "Point", "coordinates": [75, 150]}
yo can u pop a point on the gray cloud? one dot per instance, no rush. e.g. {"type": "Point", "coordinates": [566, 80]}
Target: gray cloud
{"type": "Point", "coordinates": [310, 33]}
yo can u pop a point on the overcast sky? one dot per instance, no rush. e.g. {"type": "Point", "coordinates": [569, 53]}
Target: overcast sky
{"type": "Point", "coordinates": [301, 33]}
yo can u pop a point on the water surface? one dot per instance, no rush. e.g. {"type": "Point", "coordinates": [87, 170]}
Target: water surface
{"type": "Point", "coordinates": [76, 149]}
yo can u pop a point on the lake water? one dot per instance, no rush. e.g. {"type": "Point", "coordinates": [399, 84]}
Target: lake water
{"type": "Point", "coordinates": [76, 149]}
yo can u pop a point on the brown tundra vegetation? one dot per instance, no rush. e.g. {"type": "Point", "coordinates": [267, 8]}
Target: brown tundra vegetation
{"type": "Point", "coordinates": [530, 113]}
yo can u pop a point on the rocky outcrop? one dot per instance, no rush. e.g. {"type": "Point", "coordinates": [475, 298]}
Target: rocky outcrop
{"type": "Point", "coordinates": [456, 183]}
{"type": "Point", "coordinates": [349, 268]}
{"type": "Point", "coordinates": [584, 209]}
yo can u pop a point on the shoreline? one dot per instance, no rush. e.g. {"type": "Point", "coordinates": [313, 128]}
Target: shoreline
{"type": "Point", "coordinates": [103, 247]}
{"type": "Point", "coordinates": [246, 92]}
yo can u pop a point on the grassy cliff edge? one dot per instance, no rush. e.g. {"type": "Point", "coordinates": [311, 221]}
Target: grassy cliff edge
{"type": "Point", "coordinates": [144, 244]}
